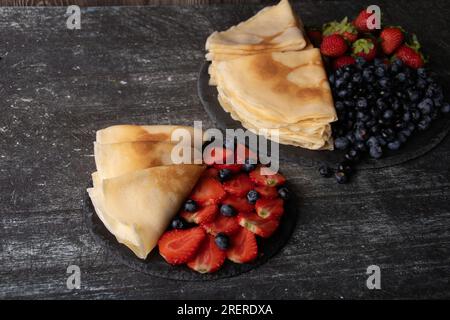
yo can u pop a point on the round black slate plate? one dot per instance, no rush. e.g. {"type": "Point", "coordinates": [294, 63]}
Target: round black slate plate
{"type": "Point", "coordinates": [417, 146]}
{"type": "Point", "coordinates": [155, 265]}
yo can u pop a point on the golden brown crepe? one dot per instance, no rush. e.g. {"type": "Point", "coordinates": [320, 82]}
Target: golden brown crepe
{"type": "Point", "coordinates": [129, 133]}
{"type": "Point", "coordinates": [115, 159]}
{"type": "Point", "coordinates": [137, 207]}
{"type": "Point", "coordinates": [287, 91]}
{"type": "Point", "coordinates": [274, 27]}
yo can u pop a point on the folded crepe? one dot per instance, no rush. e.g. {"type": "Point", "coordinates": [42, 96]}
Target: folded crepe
{"type": "Point", "coordinates": [137, 207]}
{"type": "Point", "coordinates": [115, 159]}
{"type": "Point", "coordinates": [129, 133]}
{"type": "Point", "coordinates": [272, 28]}
{"type": "Point", "coordinates": [287, 91]}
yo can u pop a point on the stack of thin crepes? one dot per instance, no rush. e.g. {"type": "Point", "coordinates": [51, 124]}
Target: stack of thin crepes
{"type": "Point", "coordinates": [137, 188]}
{"type": "Point", "coordinates": [269, 77]}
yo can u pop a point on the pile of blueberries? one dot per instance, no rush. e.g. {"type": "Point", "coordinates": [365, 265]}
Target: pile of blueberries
{"type": "Point", "coordinates": [379, 107]}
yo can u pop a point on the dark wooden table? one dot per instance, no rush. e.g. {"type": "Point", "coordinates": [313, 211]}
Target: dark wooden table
{"type": "Point", "coordinates": [139, 65]}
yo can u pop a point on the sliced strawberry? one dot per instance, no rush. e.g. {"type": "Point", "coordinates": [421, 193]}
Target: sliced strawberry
{"type": "Point", "coordinates": [272, 179]}
{"type": "Point", "coordinates": [238, 203]}
{"type": "Point", "coordinates": [260, 226]}
{"type": "Point", "coordinates": [180, 246]}
{"type": "Point", "coordinates": [206, 214]}
{"type": "Point", "coordinates": [227, 225]}
{"type": "Point", "coordinates": [211, 173]}
{"type": "Point", "coordinates": [209, 257]}
{"type": "Point", "coordinates": [234, 167]}
{"type": "Point", "coordinates": [269, 208]}
{"type": "Point", "coordinates": [243, 247]}
{"type": "Point", "coordinates": [267, 192]}
{"type": "Point", "coordinates": [239, 186]}
{"type": "Point", "coordinates": [208, 191]}
{"type": "Point", "coordinates": [243, 153]}
{"type": "Point", "coordinates": [218, 155]}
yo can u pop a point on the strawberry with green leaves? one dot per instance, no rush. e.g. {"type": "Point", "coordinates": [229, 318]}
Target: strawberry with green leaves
{"type": "Point", "coordinates": [343, 28]}
{"type": "Point", "coordinates": [365, 48]}
{"type": "Point", "coordinates": [409, 53]}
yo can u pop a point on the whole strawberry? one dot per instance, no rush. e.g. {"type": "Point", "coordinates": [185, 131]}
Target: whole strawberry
{"type": "Point", "coordinates": [409, 56]}
{"type": "Point", "coordinates": [365, 48]}
{"type": "Point", "coordinates": [333, 46]}
{"type": "Point", "coordinates": [315, 36]}
{"type": "Point", "coordinates": [343, 28]}
{"type": "Point", "coordinates": [391, 39]}
{"type": "Point", "coordinates": [342, 62]}
{"type": "Point", "coordinates": [360, 22]}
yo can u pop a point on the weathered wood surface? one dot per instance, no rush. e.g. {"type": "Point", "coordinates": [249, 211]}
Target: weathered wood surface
{"type": "Point", "coordinates": [95, 3]}
{"type": "Point", "coordinates": [139, 65]}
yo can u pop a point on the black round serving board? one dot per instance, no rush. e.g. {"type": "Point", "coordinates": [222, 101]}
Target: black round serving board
{"type": "Point", "coordinates": [417, 145]}
{"type": "Point", "coordinates": [155, 265]}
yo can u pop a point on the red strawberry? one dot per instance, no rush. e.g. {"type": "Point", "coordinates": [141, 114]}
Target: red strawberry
{"type": "Point", "coordinates": [260, 226]}
{"type": "Point", "coordinates": [410, 57]}
{"type": "Point", "coordinates": [333, 46]}
{"type": "Point", "coordinates": [360, 22]}
{"type": "Point", "coordinates": [218, 155]}
{"type": "Point", "coordinates": [271, 180]}
{"type": "Point", "coordinates": [342, 62]}
{"type": "Point", "coordinates": [206, 214]}
{"type": "Point", "coordinates": [209, 257]}
{"type": "Point", "coordinates": [211, 173]}
{"type": "Point", "coordinates": [238, 203]}
{"type": "Point", "coordinates": [243, 247]}
{"type": "Point", "coordinates": [315, 36]}
{"type": "Point", "coordinates": [208, 191]}
{"type": "Point", "coordinates": [239, 185]}
{"type": "Point", "coordinates": [227, 225]}
{"type": "Point", "coordinates": [269, 208]}
{"type": "Point", "coordinates": [391, 39]}
{"type": "Point", "coordinates": [365, 48]}
{"type": "Point", "coordinates": [267, 192]}
{"type": "Point", "coordinates": [179, 246]}
{"type": "Point", "coordinates": [343, 28]}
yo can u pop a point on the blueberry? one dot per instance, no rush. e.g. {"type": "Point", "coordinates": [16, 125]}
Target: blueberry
{"type": "Point", "coordinates": [357, 78]}
{"type": "Point", "coordinates": [341, 143]}
{"type": "Point", "coordinates": [227, 210]}
{"type": "Point", "coordinates": [248, 166]}
{"type": "Point", "coordinates": [252, 196]}
{"type": "Point", "coordinates": [284, 193]}
{"type": "Point", "coordinates": [177, 223]}
{"type": "Point", "coordinates": [331, 78]}
{"type": "Point", "coordinates": [339, 105]}
{"type": "Point", "coordinates": [388, 114]}
{"type": "Point", "coordinates": [372, 141]}
{"type": "Point", "coordinates": [445, 108]}
{"type": "Point", "coordinates": [375, 129]}
{"type": "Point", "coordinates": [222, 241]}
{"type": "Point", "coordinates": [424, 124]}
{"type": "Point", "coordinates": [421, 72]}
{"type": "Point", "coordinates": [325, 171]}
{"type": "Point", "coordinates": [341, 177]}
{"type": "Point", "coordinates": [407, 116]}
{"type": "Point", "coordinates": [402, 137]}
{"type": "Point", "coordinates": [384, 82]}
{"type": "Point", "coordinates": [421, 84]}
{"type": "Point", "coordinates": [376, 151]}
{"type": "Point", "coordinates": [416, 115]}
{"type": "Point", "coordinates": [425, 105]}
{"type": "Point", "coordinates": [342, 93]}
{"type": "Point", "coordinates": [379, 72]}
{"type": "Point", "coordinates": [360, 61]}
{"type": "Point", "coordinates": [225, 174]}
{"type": "Point", "coordinates": [190, 206]}
{"type": "Point", "coordinates": [361, 103]}
{"type": "Point", "coordinates": [361, 134]}
{"type": "Point", "coordinates": [394, 145]}
{"type": "Point", "coordinates": [413, 95]}
{"type": "Point", "coordinates": [352, 155]}
{"type": "Point", "coordinates": [360, 146]}
{"type": "Point", "coordinates": [400, 77]}
{"type": "Point", "coordinates": [381, 104]}
{"type": "Point", "coordinates": [339, 82]}
{"type": "Point", "coordinates": [367, 75]}
{"type": "Point", "coordinates": [345, 167]}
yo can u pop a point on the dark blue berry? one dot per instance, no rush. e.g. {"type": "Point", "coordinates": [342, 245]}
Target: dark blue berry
{"type": "Point", "coordinates": [252, 196]}
{"type": "Point", "coordinates": [222, 241]}
{"type": "Point", "coordinates": [341, 143]}
{"type": "Point", "coordinates": [341, 177]}
{"type": "Point", "coordinates": [394, 145]}
{"type": "Point", "coordinates": [325, 171]}
{"type": "Point", "coordinates": [178, 223]}
{"type": "Point", "coordinates": [445, 108]}
{"type": "Point", "coordinates": [376, 151]}
{"type": "Point", "coordinates": [284, 193]}
{"type": "Point", "coordinates": [190, 206]}
{"type": "Point", "coordinates": [227, 210]}
{"type": "Point", "coordinates": [388, 114]}
{"type": "Point", "coordinates": [225, 174]}
{"type": "Point", "coordinates": [249, 166]}
{"type": "Point", "coordinates": [361, 103]}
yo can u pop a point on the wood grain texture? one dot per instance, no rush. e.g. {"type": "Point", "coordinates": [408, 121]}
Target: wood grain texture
{"type": "Point", "coordinates": [139, 65]}
{"type": "Point", "coordinates": [97, 3]}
